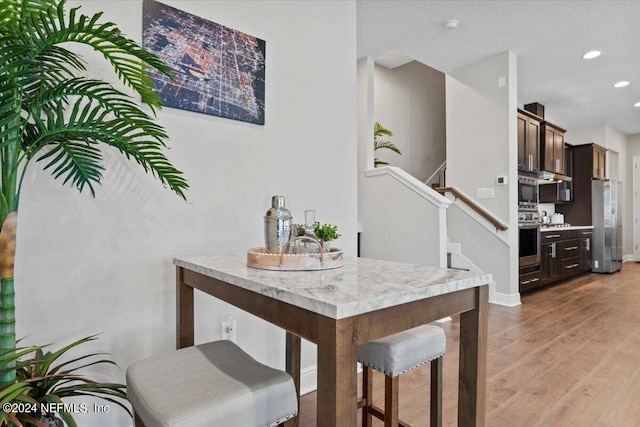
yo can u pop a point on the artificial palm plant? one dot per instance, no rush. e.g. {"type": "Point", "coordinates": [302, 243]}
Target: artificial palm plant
{"type": "Point", "coordinates": [379, 133]}
{"type": "Point", "coordinates": [52, 114]}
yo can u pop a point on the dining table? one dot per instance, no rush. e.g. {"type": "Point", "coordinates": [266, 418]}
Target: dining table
{"type": "Point", "coordinates": [341, 308]}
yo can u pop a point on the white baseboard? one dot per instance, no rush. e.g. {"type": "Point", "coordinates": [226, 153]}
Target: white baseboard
{"type": "Point", "coordinates": [508, 300]}
{"type": "Point", "coordinates": [628, 258]}
{"type": "Point", "coordinates": [308, 379]}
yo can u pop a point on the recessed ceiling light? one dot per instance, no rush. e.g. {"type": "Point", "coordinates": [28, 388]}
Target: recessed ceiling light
{"type": "Point", "coordinates": [592, 54]}
{"type": "Point", "coordinates": [451, 24]}
{"type": "Point", "coordinates": [622, 83]}
{"type": "Point", "coordinates": [637, 104]}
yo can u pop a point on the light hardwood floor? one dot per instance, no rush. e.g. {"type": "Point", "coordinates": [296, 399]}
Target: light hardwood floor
{"type": "Point", "coordinates": [568, 356]}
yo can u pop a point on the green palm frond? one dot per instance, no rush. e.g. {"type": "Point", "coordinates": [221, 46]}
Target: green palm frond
{"type": "Point", "coordinates": [386, 144]}
{"type": "Point", "coordinates": [379, 131]}
{"type": "Point", "coordinates": [125, 55]}
{"type": "Point", "coordinates": [45, 104]}
{"type": "Point", "coordinates": [70, 133]}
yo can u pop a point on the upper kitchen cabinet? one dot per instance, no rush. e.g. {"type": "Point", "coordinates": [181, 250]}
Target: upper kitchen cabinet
{"type": "Point", "coordinates": [528, 141]}
{"type": "Point", "coordinates": [599, 162]}
{"type": "Point", "coordinates": [552, 147]}
{"type": "Point", "coordinates": [591, 157]}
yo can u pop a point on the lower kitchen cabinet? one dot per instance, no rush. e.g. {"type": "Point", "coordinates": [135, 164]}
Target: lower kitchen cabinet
{"type": "Point", "coordinates": [530, 280]}
{"type": "Point", "coordinates": [586, 254]}
{"type": "Point", "coordinates": [563, 255]}
{"type": "Point", "coordinates": [549, 263]}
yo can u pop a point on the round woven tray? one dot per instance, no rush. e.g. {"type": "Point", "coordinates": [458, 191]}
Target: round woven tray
{"type": "Point", "coordinates": [264, 260]}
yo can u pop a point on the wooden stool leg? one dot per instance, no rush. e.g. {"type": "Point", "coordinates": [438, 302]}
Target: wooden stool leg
{"type": "Point", "coordinates": [367, 395]}
{"type": "Point", "coordinates": [436, 393]}
{"type": "Point", "coordinates": [391, 401]}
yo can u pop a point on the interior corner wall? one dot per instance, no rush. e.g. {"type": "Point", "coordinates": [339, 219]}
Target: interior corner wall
{"type": "Point", "coordinates": [365, 116]}
{"type": "Point", "coordinates": [104, 265]}
{"type": "Point", "coordinates": [481, 105]}
{"type": "Point", "coordinates": [410, 101]}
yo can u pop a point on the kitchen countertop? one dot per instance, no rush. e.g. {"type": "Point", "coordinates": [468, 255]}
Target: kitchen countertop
{"type": "Point", "coordinates": [572, 227]}
{"type": "Point", "coordinates": [362, 285]}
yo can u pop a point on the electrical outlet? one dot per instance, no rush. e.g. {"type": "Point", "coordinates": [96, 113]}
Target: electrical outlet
{"type": "Point", "coordinates": [228, 329]}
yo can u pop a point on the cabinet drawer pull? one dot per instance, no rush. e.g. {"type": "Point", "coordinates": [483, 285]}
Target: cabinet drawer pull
{"type": "Point", "coordinates": [526, 282]}
{"type": "Point", "coordinates": [572, 248]}
{"type": "Point", "coordinates": [571, 266]}
{"type": "Point", "coordinates": [534, 280]}
{"type": "Point", "coordinates": [551, 236]}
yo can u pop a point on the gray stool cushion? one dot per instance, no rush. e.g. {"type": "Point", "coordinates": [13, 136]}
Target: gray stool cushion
{"type": "Point", "coordinates": [403, 351]}
{"type": "Point", "coordinates": [214, 384]}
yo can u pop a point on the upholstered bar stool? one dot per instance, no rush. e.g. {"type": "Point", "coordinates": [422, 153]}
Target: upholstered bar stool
{"type": "Point", "coordinates": [394, 355]}
{"type": "Point", "coordinates": [214, 384]}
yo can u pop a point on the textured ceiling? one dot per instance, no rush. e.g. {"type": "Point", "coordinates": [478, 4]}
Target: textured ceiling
{"type": "Point", "coordinates": [549, 38]}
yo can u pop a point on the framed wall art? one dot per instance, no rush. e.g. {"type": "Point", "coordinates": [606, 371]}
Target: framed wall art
{"type": "Point", "coordinates": [217, 70]}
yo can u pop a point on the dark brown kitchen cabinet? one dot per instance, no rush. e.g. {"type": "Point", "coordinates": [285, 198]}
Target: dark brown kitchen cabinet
{"type": "Point", "coordinates": [586, 256]}
{"type": "Point", "coordinates": [599, 162]}
{"type": "Point", "coordinates": [570, 256]}
{"type": "Point", "coordinates": [552, 147]}
{"type": "Point", "coordinates": [563, 254]}
{"type": "Point", "coordinates": [529, 280]}
{"type": "Point", "coordinates": [559, 192]}
{"type": "Point", "coordinates": [549, 263]}
{"type": "Point", "coordinates": [587, 160]}
{"type": "Point", "coordinates": [528, 141]}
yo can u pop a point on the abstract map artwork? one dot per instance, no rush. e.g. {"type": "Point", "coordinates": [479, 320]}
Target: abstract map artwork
{"type": "Point", "coordinates": [217, 70]}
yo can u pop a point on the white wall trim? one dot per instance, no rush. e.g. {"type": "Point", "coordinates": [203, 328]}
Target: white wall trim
{"type": "Point", "coordinates": [308, 379]}
{"type": "Point", "coordinates": [501, 235]}
{"type": "Point", "coordinates": [506, 300]}
{"type": "Point", "coordinates": [628, 258]}
{"type": "Point", "coordinates": [411, 182]}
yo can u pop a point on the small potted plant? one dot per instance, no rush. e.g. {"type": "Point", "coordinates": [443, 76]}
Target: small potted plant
{"type": "Point", "coordinates": [326, 233]}
{"type": "Point", "coordinates": [45, 378]}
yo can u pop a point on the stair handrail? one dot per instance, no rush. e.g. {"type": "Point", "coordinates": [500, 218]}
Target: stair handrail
{"type": "Point", "coordinates": [499, 225]}
{"type": "Point", "coordinates": [436, 172]}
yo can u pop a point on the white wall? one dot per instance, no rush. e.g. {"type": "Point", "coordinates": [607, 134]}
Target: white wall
{"type": "Point", "coordinates": [482, 144]}
{"type": "Point", "coordinates": [592, 133]}
{"type": "Point", "coordinates": [401, 218]}
{"type": "Point", "coordinates": [410, 101]}
{"type": "Point", "coordinates": [104, 265]}
{"type": "Point", "coordinates": [611, 138]}
{"type": "Point", "coordinates": [633, 150]}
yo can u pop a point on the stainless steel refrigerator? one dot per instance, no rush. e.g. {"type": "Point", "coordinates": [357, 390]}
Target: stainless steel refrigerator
{"type": "Point", "coordinates": [606, 199]}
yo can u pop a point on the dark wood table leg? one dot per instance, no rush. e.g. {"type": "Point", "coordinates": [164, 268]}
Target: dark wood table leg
{"type": "Point", "coordinates": [184, 312]}
{"type": "Point", "coordinates": [473, 363]}
{"type": "Point", "coordinates": [337, 387]}
{"type": "Point", "coordinates": [293, 368]}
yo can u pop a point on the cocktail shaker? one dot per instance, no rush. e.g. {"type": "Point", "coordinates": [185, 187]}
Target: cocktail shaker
{"type": "Point", "coordinates": [277, 225]}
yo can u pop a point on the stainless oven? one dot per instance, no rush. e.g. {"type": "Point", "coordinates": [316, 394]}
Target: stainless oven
{"type": "Point", "coordinates": [529, 243]}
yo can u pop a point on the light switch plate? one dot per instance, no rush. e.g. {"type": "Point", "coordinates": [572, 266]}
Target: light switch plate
{"type": "Point", "coordinates": [501, 180]}
{"type": "Point", "coordinates": [485, 193]}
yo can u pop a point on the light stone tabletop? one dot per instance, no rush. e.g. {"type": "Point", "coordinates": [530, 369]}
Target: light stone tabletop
{"type": "Point", "coordinates": [361, 286]}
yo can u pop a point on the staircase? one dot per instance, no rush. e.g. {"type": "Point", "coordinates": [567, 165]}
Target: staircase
{"type": "Point", "coordinates": [406, 220]}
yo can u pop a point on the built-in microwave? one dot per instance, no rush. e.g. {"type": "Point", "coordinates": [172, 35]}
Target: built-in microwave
{"type": "Point", "coordinates": [527, 193]}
